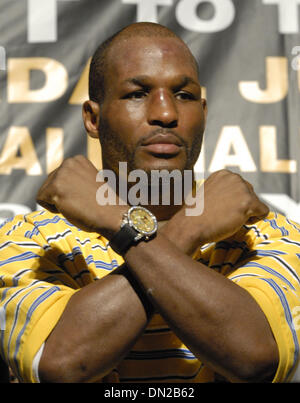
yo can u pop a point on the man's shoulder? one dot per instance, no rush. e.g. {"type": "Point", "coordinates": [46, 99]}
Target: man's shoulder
{"type": "Point", "coordinates": [39, 223]}
{"type": "Point", "coordinates": [274, 226]}
{"type": "Point", "coordinates": [24, 222]}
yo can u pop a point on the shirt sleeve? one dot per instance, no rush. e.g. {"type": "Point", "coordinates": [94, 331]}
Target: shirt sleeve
{"type": "Point", "coordinates": [269, 271]}
{"type": "Point", "coordinates": [34, 292]}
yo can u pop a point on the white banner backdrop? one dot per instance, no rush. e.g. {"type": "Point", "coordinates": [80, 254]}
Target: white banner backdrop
{"type": "Point", "coordinates": [248, 52]}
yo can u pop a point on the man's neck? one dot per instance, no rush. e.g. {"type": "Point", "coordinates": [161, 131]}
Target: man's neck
{"type": "Point", "coordinates": [159, 200]}
{"type": "Point", "coordinates": [163, 212]}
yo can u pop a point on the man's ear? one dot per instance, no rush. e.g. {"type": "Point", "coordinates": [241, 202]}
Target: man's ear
{"type": "Point", "coordinates": [91, 116]}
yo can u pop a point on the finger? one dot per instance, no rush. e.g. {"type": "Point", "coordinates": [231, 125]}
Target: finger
{"type": "Point", "coordinates": [44, 195]}
{"type": "Point", "coordinates": [250, 186]}
{"type": "Point", "coordinates": [258, 212]}
{"type": "Point", "coordinates": [48, 180]}
{"type": "Point", "coordinates": [50, 207]}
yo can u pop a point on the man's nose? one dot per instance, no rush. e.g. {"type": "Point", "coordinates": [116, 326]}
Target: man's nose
{"type": "Point", "coordinates": [163, 110]}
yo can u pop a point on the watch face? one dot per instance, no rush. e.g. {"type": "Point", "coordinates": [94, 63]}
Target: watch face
{"type": "Point", "coordinates": [142, 220]}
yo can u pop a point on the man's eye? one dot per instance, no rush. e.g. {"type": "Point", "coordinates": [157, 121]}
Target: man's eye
{"type": "Point", "coordinates": [183, 95]}
{"type": "Point", "coordinates": [135, 95]}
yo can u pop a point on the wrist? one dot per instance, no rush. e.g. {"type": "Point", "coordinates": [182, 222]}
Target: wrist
{"type": "Point", "coordinates": [185, 234]}
{"type": "Point", "coordinates": [110, 219]}
{"type": "Point", "coordinates": [148, 307]}
{"type": "Point", "coordinates": [138, 224]}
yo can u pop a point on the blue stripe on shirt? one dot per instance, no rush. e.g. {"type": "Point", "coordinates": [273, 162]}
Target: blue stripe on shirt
{"type": "Point", "coordinates": [288, 317]}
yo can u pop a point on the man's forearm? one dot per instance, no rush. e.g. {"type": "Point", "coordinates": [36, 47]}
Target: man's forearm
{"type": "Point", "coordinates": [86, 345]}
{"type": "Point", "coordinates": [218, 320]}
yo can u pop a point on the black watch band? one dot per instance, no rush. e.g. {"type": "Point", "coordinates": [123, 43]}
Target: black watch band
{"type": "Point", "coordinates": [123, 239]}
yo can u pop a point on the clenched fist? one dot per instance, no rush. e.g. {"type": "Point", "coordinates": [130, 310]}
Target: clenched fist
{"type": "Point", "coordinates": [71, 190]}
{"type": "Point", "coordinates": [229, 203]}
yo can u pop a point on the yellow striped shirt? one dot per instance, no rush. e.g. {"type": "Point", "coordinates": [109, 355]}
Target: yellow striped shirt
{"type": "Point", "coordinates": [45, 260]}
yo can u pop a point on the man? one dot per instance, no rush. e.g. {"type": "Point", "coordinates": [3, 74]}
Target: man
{"type": "Point", "coordinates": [206, 297]}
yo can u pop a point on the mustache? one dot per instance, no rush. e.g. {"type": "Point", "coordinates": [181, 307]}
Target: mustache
{"type": "Point", "coordinates": [162, 131]}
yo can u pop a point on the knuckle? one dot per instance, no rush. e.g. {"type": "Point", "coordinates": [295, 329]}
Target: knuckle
{"type": "Point", "coordinates": [68, 162]}
{"type": "Point", "coordinates": [229, 175]}
{"type": "Point", "coordinates": [236, 176]}
{"type": "Point", "coordinates": [78, 158]}
{"type": "Point", "coordinates": [246, 202]}
{"type": "Point", "coordinates": [264, 208]}
{"type": "Point", "coordinates": [223, 172]}
{"type": "Point", "coordinates": [73, 163]}
{"type": "Point", "coordinates": [66, 168]}
{"type": "Point", "coordinates": [56, 189]}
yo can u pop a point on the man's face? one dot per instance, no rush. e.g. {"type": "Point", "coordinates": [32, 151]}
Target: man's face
{"type": "Point", "coordinates": [152, 115]}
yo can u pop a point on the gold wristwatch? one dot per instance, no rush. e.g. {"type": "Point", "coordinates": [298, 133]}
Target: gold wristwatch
{"type": "Point", "coordinates": [137, 224]}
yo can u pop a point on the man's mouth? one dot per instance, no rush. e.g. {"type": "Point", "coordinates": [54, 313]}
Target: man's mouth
{"type": "Point", "coordinates": [162, 145]}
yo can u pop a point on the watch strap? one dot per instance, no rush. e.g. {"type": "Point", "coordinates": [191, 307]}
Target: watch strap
{"type": "Point", "coordinates": [123, 239]}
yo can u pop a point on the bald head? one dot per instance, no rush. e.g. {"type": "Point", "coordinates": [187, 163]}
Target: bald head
{"type": "Point", "coordinates": [100, 60]}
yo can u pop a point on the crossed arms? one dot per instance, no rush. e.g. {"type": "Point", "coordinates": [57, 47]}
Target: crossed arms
{"type": "Point", "coordinates": [216, 319]}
